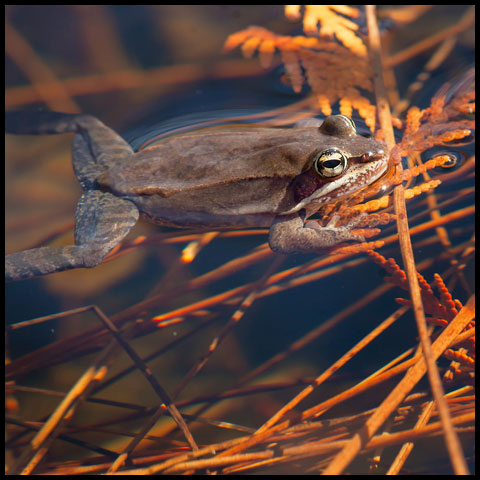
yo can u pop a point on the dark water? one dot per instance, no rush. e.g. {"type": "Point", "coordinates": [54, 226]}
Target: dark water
{"type": "Point", "coordinates": [140, 39]}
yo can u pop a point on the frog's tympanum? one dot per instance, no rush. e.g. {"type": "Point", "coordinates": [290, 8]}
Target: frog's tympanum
{"type": "Point", "coordinates": [237, 177]}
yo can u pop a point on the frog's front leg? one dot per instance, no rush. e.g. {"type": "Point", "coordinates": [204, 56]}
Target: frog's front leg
{"type": "Point", "coordinates": [289, 234]}
{"type": "Point", "coordinates": [102, 220]}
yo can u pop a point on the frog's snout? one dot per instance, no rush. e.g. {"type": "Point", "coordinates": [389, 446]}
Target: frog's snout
{"type": "Point", "coordinates": [370, 156]}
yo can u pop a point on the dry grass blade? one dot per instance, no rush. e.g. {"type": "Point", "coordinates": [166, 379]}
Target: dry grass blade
{"type": "Point", "coordinates": [161, 392]}
{"type": "Point", "coordinates": [345, 456]}
{"type": "Point", "coordinates": [330, 371]}
{"type": "Point", "coordinates": [407, 448]}
{"type": "Point", "coordinates": [269, 378]}
{"type": "Point", "coordinates": [39, 444]}
{"type": "Point", "coordinates": [35, 68]}
{"type": "Point", "coordinates": [453, 443]}
{"type": "Point", "coordinates": [234, 319]}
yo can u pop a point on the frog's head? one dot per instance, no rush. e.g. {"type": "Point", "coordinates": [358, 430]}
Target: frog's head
{"type": "Point", "coordinates": [344, 164]}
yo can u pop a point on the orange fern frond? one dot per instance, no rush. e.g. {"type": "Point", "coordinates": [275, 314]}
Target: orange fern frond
{"type": "Point", "coordinates": [325, 21]}
{"type": "Point", "coordinates": [417, 170]}
{"type": "Point", "coordinates": [460, 357]}
{"type": "Point", "coordinates": [445, 121]}
{"type": "Point", "coordinates": [445, 296]}
{"type": "Point", "coordinates": [336, 73]}
{"type": "Point", "coordinates": [462, 366]}
{"type": "Point", "coordinates": [398, 277]}
{"type": "Point", "coordinates": [356, 248]}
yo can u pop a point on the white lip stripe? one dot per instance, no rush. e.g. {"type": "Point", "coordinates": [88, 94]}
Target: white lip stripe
{"type": "Point", "coordinates": [347, 181]}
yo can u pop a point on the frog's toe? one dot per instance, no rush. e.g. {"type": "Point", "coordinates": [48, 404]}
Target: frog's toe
{"type": "Point", "coordinates": [356, 220]}
{"type": "Point", "coordinates": [332, 223]}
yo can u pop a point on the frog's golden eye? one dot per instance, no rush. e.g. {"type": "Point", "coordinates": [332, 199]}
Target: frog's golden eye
{"type": "Point", "coordinates": [330, 163]}
{"type": "Point", "coordinates": [338, 125]}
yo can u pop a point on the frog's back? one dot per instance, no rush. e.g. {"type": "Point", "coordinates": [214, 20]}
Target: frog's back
{"type": "Point", "coordinates": [198, 161]}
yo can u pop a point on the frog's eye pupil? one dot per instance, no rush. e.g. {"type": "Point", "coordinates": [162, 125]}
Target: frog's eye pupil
{"type": "Point", "coordinates": [330, 163]}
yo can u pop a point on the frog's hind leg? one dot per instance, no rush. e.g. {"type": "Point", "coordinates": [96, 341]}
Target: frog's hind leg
{"type": "Point", "coordinates": [95, 145]}
{"type": "Point", "coordinates": [102, 220]}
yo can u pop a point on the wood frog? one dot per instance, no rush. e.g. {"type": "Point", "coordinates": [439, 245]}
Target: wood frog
{"type": "Point", "coordinates": [237, 177]}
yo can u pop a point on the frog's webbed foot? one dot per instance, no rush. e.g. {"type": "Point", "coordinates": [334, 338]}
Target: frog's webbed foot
{"type": "Point", "coordinates": [102, 220]}
{"type": "Point", "coordinates": [289, 234]}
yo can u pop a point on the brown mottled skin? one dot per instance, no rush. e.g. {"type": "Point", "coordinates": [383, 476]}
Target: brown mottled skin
{"type": "Point", "coordinates": [234, 177]}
